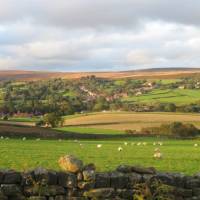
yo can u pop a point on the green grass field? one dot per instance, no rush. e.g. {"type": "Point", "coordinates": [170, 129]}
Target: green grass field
{"type": "Point", "coordinates": [166, 81]}
{"type": "Point", "coordinates": [177, 96]}
{"type": "Point", "coordinates": [178, 155]}
{"type": "Point", "coordinates": [83, 130]}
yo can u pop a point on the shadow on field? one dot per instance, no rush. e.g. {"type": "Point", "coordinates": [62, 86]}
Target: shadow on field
{"type": "Point", "coordinates": [100, 123]}
{"type": "Point", "coordinates": [19, 131]}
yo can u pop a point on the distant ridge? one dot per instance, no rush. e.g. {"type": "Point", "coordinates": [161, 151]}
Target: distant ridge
{"type": "Point", "coordinates": [162, 73]}
{"type": "Point", "coordinates": [170, 69]}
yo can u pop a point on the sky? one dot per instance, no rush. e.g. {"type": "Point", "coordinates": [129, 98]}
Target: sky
{"type": "Point", "coordinates": [99, 35]}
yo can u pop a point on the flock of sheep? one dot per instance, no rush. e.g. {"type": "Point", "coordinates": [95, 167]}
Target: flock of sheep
{"type": "Point", "coordinates": [157, 153]}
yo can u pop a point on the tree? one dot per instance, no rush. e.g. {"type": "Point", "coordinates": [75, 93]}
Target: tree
{"type": "Point", "coordinates": [170, 107]}
{"type": "Point", "coordinates": [53, 120]}
{"type": "Point", "coordinates": [5, 118]}
{"type": "Point", "coordinates": [101, 104]}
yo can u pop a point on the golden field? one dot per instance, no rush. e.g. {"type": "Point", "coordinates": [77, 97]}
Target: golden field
{"type": "Point", "coordinates": [127, 120]}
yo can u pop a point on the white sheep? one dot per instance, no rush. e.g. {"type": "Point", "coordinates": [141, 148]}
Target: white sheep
{"type": "Point", "coordinates": [120, 148]}
{"type": "Point", "coordinates": [196, 145]}
{"type": "Point", "coordinates": [24, 138]}
{"type": "Point", "coordinates": [157, 154]}
{"type": "Point", "coordinates": [2, 137]}
{"type": "Point", "coordinates": [38, 139]}
{"type": "Point", "coordinates": [99, 145]}
{"type": "Point", "coordinates": [156, 149]}
{"type": "Point", "coordinates": [125, 143]}
{"type": "Point", "coordinates": [144, 143]}
{"type": "Point", "coordinates": [160, 143]}
{"type": "Point", "coordinates": [7, 138]}
{"type": "Point", "coordinates": [139, 143]}
{"type": "Point", "coordinates": [154, 144]}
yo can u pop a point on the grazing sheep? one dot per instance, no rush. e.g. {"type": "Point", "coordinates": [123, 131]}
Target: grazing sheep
{"type": "Point", "coordinates": [7, 138]}
{"type": "Point", "coordinates": [125, 143]}
{"type": "Point", "coordinates": [99, 145]}
{"type": "Point", "coordinates": [38, 139]}
{"type": "Point", "coordinates": [2, 137]}
{"type": "Point", "coordinates": [120, 149]}
{"type": "Point", "coordinates": [60, 140]}
{"type": "Point", "coordinates": [157, 154]}
{"type": "Point", "coordinates": [139, 143]}
{"type": "Point", "coordinates": [156, 149]}
{"type": "Point", "coordinates": [144, 143]}
{"type": "Point", "coordinates": [195, 145]}
{"type": "Point", "coordinates": [160, 143]}
{"type": "Point", "coordinates": [24, 138]}
{"type": "Point", "coordinates": [154, 144]}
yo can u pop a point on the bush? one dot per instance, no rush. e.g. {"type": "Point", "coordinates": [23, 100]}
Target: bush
{"type": "Point", "coordinates": [175, 129]}
{"type": "Point", "coordinates": [40, 123]}
{"type": "Point", "coordinates": [5, 118]}
{"type": "Point", "coordinates": [183, 130]}
{"type": "Point", "coordinates": [128, 131]}
{"type": "Point", "coordinates": [170, 107]}
{"type": "Point", "coordinates": [53, 120]}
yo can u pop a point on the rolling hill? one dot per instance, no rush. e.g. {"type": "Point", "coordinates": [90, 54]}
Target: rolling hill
{"type": "Point", "coordinates": [159, 73]}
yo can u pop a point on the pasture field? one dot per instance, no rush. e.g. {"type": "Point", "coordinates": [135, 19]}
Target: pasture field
{"type": "Point", "coordinates": [178, 155]}
{"type": "Point", "coordinates": [112, 123]}
{"type": "Point", "coordinates": [89, 130]}
{"type": "Point", "coordinates": [24, 119]}
{"type": "Point", "coordinates": [121, 121]}
{"type": "Point", "coordinates": [177, 96]}
{"type": "Point", "coordinates": [167, 81]}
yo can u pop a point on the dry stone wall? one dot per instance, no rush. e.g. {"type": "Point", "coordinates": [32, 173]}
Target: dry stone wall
{"type": "Point", "coordinates": [124, 183]}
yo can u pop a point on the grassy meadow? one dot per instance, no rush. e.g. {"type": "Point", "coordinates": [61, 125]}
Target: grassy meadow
{"type": "Point", "coordinates": [80, 129]}
{"type": "Point", "coordinates": [177, 96]}
{"type": "Point", "coordinates": [178, 155]}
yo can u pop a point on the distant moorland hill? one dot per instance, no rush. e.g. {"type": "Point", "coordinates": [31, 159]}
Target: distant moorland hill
{"type": "Point", "coordinates": [161, 73]}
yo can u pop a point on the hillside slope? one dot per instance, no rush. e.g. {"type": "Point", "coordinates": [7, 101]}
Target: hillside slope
{"type": "Point", "coordinates": [163, 73]}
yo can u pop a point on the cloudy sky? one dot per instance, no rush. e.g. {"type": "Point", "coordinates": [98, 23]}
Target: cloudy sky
{"type": "Point", "coordinates": [99, 35]}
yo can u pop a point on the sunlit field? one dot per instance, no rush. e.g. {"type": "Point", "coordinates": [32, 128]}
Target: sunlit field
{"type": "Point", "coordinates": [121, 121]}
{"type": "Point", "coordinates": [177, 96]}
{"type": "Point", "coordinates": [178, 155]}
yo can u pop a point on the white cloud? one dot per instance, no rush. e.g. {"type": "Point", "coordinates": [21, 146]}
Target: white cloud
{"type": "Point", "coordinates": [140, 57]}
{"type": "Point", "coordinates": [99, 35]}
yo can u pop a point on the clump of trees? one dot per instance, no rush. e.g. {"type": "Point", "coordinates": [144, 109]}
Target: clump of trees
{"type": "Point", "coordinates": [51, 120]}
{"type": "Point", "coordinates": [175, 129]}
{"type": "Point", "coordinates": [5, 117]}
